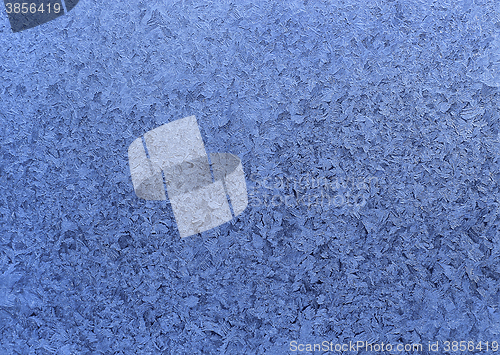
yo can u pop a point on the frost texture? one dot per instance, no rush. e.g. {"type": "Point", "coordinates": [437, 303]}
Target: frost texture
{"type": "Point", "coordinates": [401, 93]}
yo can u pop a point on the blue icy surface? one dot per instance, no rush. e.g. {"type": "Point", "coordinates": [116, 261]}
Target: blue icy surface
{"type": "Point", "coordinates": [397, 102]}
